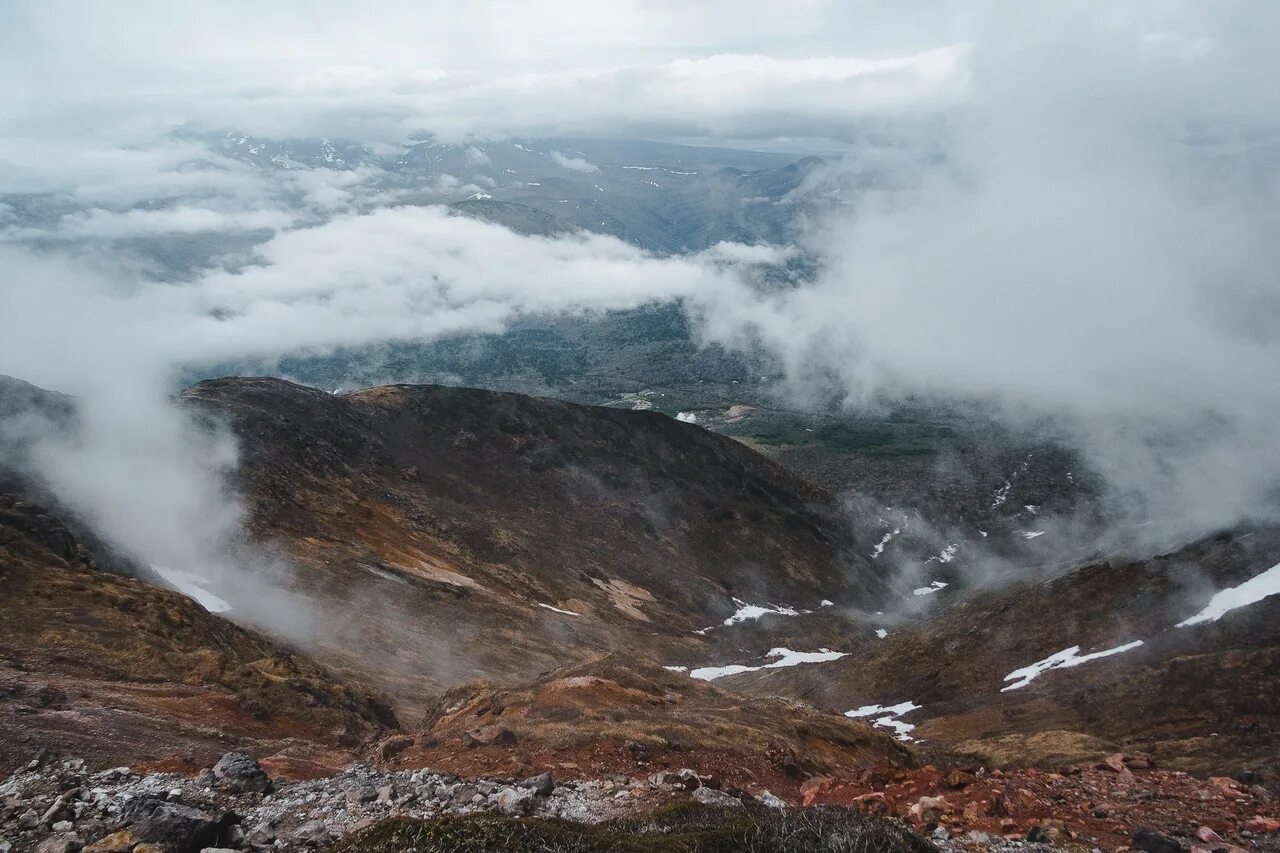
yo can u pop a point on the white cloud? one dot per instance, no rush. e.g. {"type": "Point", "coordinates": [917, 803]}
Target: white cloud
{"type": "Point", "coordinates": [573, 164]}
{"type": "Point", "coordinates": [178, 220]}
{"type": "Point", "coordinates": [397, 273]}
{"type": "Point", "coordinates": [1095, 245]}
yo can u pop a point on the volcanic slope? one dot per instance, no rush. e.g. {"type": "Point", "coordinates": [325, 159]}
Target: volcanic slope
{"type": "Point", "coordinates": [455, 534]}
{"type": "Point", "coordinates": [99, 663]}
{"type": "Point", "coordinates": [1004, 675]}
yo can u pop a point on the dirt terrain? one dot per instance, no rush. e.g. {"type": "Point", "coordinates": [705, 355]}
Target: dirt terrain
{"type": "Point", "coordinates": [617, 715]}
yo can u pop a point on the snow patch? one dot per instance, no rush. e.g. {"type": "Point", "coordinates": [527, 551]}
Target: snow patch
{"type": "Point", "coordinates": [753, 611]}
{"type": "Point", "coordinates": [889, 717]}
{"type": "Point", "coordinates": [1250, 592]}
{"type": "Point", "coordinates": [711, 673]}
{"type": "Point", "coordinates": [194, 587]}
{"type": "Point", "coordinates": [785, 657]}
{"type": "Point", "coordinates": [1064, 659]}
{"type": "Point", "coordinates": [884, 540]}
{"type": "Point", "coordinates": [881, 633]}
{"type": "Point", "coordinates": [930, 589]}
{"type": "Point", "coordinates": [687, 417]}
{"type": "Point", "coordinates": [1030, 534]}
{"type": "Point", "coordinates": [558, 610]}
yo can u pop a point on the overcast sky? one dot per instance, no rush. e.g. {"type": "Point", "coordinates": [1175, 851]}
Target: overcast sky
{"type": "Point", "coordinates": [716, 68]}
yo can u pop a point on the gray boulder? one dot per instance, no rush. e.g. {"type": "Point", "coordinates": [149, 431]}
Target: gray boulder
{"type": "Point", "coordinates": [712, 797]}
{"type": "Point", "coordinates": [239, 772]}
{"type": "Point", "coordinates": [181, 828]}
{"type": "Point", "coordinates": [542, 784]}
{"type": "Point", "coordinates": [66, 842]}
{"type": "Point", "coordinates": [314, 833]}
{"type": "Point", "coordinates": [515, 801]}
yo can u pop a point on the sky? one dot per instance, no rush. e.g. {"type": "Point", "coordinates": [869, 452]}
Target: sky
{"type": "Point", "coordinates": [302, 67]}
{"type": "Point", "coordinates": [1090, 238]}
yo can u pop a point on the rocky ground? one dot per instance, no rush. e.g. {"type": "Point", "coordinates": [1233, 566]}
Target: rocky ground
{"type": "Point", "coordinates": [1122, 802]}
{"type": "Point", "coordinates": [56, 805]}
{"type": "Point", "coordinates": [60, 805]}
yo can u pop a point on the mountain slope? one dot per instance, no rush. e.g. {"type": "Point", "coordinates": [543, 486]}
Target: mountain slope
{"type": "Point", "coordinates": [100, 663]}
{"type": "Point", "coordinates": [474, 534]}
{"type": "Point", "coordinates": [1200, 697]}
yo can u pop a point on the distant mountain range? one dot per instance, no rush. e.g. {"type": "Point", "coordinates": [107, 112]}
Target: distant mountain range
{"type": "Point", "coordinates": [660, 196]}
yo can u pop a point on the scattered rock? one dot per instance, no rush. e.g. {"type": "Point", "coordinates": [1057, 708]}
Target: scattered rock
{"type": "Point", "coordinates": [1206, 834]}
{"type": "Point", "coordinates": [361, 794]}
{"type": "Point", "coordinates": [262, 835]}
{"type": "Point", "coordinates": [928, 810]}
{"type": "Point", "coordinates": [957, 778]}
{"type": "Point", "coordinates": [1140, 761]}
{"type": "Point", "coordinates": [63, 842]}
{"type": "Point", "coordinates": [117, 842]}
{"type": "Point", "coordinates": [542, 784]}
{"type": "Point", "coordinates": [464, 794]}
{"type": "Point", "coordinates": [815, 787]}
{"type": "Point", "coordinates": [769, 800]}
{"type": "Point", "coordinates": [314, 833]}
{"type": "Point", "coordinates": [489, 736]}
{"type": "Point", "coordinates": [515, 801]}
{"type": "Point", "coordinates": [181, 828]}
{"type": "Point", "coordinates": [393, 746]}
{"type": "Point", "coordinates": [874, 803]}
{"type": "Point", "coordinates": [1150, 841]}
{"type": "Point", "coordinates": [239, 772]}
{"type": "Point", "coordinates": [712, 797]}
{"type": "Point", "coordinates": [51, 814]}
{"type": "Point", "coordinates": [685, 778]}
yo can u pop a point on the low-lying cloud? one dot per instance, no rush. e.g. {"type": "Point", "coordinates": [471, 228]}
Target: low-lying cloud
{"type": "Point", "coordinates": [573, 164]}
